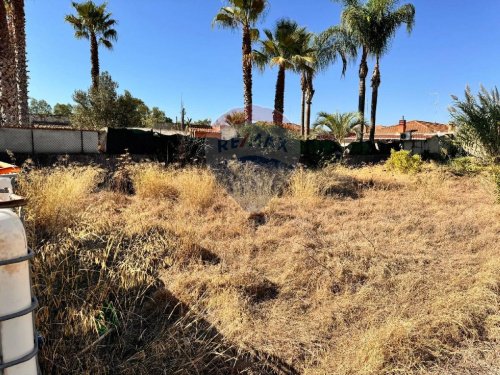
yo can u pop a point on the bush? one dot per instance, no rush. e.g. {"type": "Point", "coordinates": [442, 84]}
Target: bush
{"type": "Point", "coordinates": [465, 166]}
{"type": "Point", "coordinates": [403, 162]}
{"type": "Point", "coordinates": [55, 195]}
{"type": "Point", "coordinates": [192, 186]}
{"type": "Point", "coordinates": [478, 122]}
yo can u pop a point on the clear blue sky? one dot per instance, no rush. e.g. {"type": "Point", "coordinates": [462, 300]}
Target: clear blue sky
{"type": "Point", "coordinates": [168, 48]}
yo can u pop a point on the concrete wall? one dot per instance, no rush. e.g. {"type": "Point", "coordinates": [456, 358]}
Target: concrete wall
{"type": "Point", "coordinates": [49, 141]}
{"type": "Point", "coordinates": [432, 146]}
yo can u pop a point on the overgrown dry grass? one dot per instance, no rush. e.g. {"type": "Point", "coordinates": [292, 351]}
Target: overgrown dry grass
{"type": "Point", "coordinates": [347, 271]}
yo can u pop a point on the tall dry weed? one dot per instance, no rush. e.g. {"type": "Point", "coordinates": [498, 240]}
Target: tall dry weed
{"type": "Point", "coordinates": [192, 186]}
{"type": "Point", "coordinates": [57, 196]}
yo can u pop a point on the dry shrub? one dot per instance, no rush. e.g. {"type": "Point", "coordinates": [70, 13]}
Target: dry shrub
{"type": "Point", "coordinates": [57, 195]}
{"type": "Point", "coordinates": [253, 186]}
{"type": "Point", "coordinates": [305, 185]}
{"type": "Point", "coordinates": [192, 186]}
{"type": "Point", "coordinates": [196, 186]}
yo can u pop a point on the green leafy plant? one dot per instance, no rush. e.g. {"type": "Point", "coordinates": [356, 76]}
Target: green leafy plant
{"type": "Point", "coordinates": [478, 122]}
{"type": "Point", "coordinates": [465, 166]}
{"type": "Point", "coordinates": [403, 162]}
{"type": "Point", "coordinates": [106, 319]}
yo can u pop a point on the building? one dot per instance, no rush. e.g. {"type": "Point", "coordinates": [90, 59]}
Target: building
{"type": "Point", "coordinates": [416, 130]}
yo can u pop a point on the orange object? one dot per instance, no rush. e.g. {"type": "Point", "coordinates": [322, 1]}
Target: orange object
{"type": "Point", "coordinates": [8, 168]}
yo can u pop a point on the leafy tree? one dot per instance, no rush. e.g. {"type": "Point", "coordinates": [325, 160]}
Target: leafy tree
{"type": "Point", "coordinates": [204, 122]}
{"type": "Point", "coordinates": [130, 111]}
{"type": "Point", "coordinates": [478, 122]}
{"type": "Point", "coordinates": [40, 107]}
{"type": "Point", "coordinates": [96, 108]}
{"type": "Point", "coordinates": [155, 117]}
{"type": "Point", "coordinates": [63, 110]}
{"type": "Point", "coordinates": [282, 48]}
{"type": "Point", "coordinates": [338, 124]}
{"type": "Point", "coordinates": [93, 23]}
{"type": "Point", "coordinates": [244, 15]}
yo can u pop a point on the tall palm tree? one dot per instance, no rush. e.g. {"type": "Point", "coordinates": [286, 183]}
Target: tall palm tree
{"type": "Point", "coordinates": [339, 124]}
{"type": "Point", "coordinates": [93, 23]}
{"type": "Point", "coordinates": [282, 48]}
{"type": "Point", "coordinates": [385, 19]}
{"type": "Point", "coordinates": [323, 50]}
{"type": "Point", "coordinates": [356, 19]}
{"type": "Point", "coordinates": [243, 14]}
{"type": "Point", "coordinates": [17, 25]}
{"type": "Point", "coordinates": [8, 85]}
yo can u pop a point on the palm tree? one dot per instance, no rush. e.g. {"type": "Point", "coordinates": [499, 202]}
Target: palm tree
{"type": "Point", "coordinates": [17, 25]}
{"type": "Point", "coordinates": [93, 23]}
{"type": "Point", "coordinates": [339, 124]}
{"type": "Point", "coordinates": [8, 85]}
{"type": "Point", "coordinates": [356, 19]}
{"type": "Point", "coordinates": [323, 50]}
{"type": "Point", "coordinates": [282, 48]}
{"type": "Point", "coordinates": [243, 14]}
{"type": "Point", "coordinates": [385, 20]}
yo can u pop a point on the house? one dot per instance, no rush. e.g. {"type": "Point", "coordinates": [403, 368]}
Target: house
{"type": "Point", "coordinates": [416, 130]}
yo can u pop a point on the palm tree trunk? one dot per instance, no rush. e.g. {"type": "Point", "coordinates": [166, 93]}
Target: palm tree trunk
{"type": "Point", "coordinates": [375, 85]}
{"type": "Point", "coordinates": [303, 105]}
{"type": "Point", "coordinates": [247, 73]}
{"type": "Point", "coordinates": [363, 72]}
{"type": "Point", "coordinates": [19, 37]}
{"type": "Point", "coordinates": [8, 85]}
{"type": "Point", "coordinates": [309, 96]}
{"type": "Point", "coordinates": [94, 60]}
{"type": "Point", "coordinates": [279, 99]}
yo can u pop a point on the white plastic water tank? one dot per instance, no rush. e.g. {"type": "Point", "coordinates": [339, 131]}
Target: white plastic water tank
{"type": "Point", "coordinates": [17, 343]}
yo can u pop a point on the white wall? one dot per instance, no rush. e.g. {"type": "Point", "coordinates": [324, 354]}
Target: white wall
{"type": "Point", "coordinates": [49, 141]}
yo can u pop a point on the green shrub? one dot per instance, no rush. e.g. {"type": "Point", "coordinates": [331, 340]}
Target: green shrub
{"type": "Point", "coordinates": [403, 162]}
{"type": "Point", "coordinates": [465, 166]}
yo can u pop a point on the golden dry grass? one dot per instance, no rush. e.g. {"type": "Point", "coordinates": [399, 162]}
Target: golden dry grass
{"type": "Point", "coordinates": [352, 271]}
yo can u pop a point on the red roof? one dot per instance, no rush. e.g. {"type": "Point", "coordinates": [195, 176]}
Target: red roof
{"type": "Point", "coordinates": [421, 130]}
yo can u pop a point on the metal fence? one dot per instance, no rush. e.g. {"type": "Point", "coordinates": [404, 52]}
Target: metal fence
{"type": "Point", "coordinates": [49, 141]}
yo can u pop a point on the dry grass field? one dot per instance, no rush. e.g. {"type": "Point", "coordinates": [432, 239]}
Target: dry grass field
{"type": "Point", "coordinates": [335, 271]}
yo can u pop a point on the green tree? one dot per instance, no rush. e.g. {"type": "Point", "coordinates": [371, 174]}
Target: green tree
{"type": "Point", "coordinates": [96, 108]}
{"type": "Point", "coordinates": [131, 112]}
{"type": "Point", "coordinates": [244, 15]}
{"type": "Point", "coordinates": [478, 122]}
{"type": "Point", "coordinates": [40, 107]}
{"type": "Point", "coordinates": [155, 117]}
{"type": "Point", "coordinates": [63, 110]}
{"type": "Point", "coordinates": [282, 48]}
{"type": "Point", "coordinates": [93, 23]}
{"type": "Point", "coordinates": [204, 122]}
{"type": "Point", "coordinates": [338, 124]}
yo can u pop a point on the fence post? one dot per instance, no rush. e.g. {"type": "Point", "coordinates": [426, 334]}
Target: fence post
{"type": "Point", "coordinates": [81, 139]}
{"type": "Point", "coordinates": [32, 142]}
